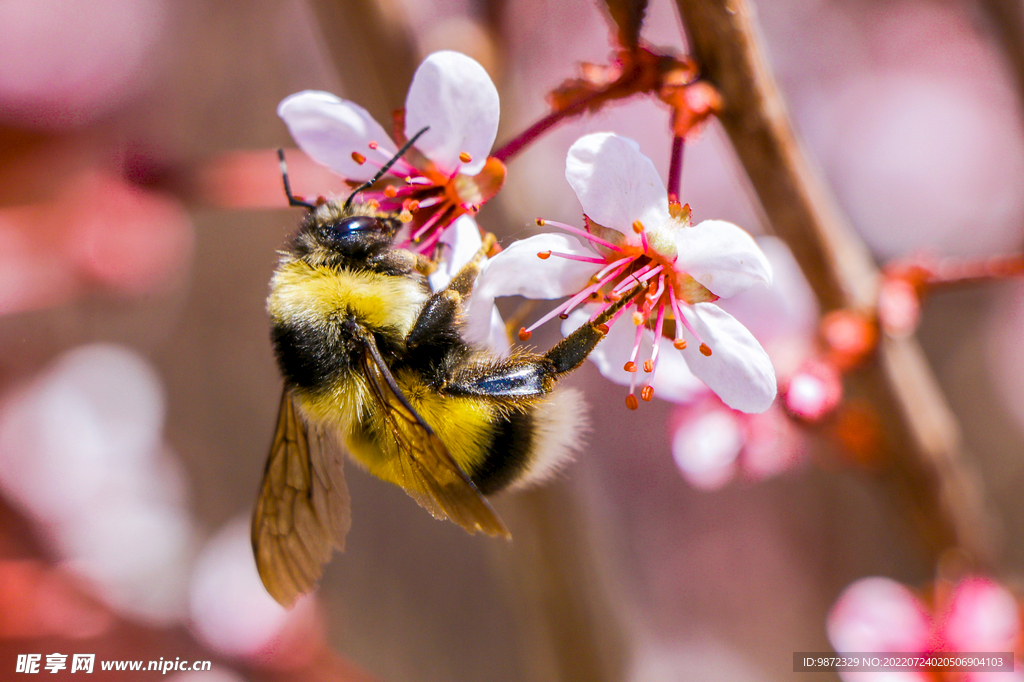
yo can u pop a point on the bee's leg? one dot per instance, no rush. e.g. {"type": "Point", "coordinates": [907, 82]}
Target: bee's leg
{"type": "Point", "coordinates": [574, 349]}
{"type": "Point", "coordinates": [436, 325]}
{"type": "Point", "coordinates": [424, 265]}
{"type": "Point", "coordinates": [522, 377]}
{"type": "Point", "coordinates": [516, 378]}
{"type": "Point", "coordinates": [463, 281]}
{"type": "Point", "coordinates": [436, 322]}
{"type": "Point", "coordinates": [400, 262]}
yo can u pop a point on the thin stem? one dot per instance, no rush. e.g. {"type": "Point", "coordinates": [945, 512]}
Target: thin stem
{"type": "Point", "coordinates": [516, 144]}
{"type": "Point", "coordinates": [675, 168]}
{"type": "Point", "coordinates": [950, 273]}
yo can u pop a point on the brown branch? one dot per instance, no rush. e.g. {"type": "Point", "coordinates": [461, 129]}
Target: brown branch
{"type": "Point", "coordinates": [1006, 21]}
{"type": "Point", "coordinates": [574, 633]}
{"type": "Point", "coordinates": [922, 442]}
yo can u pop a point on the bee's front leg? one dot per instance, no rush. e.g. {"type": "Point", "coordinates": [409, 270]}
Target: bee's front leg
{"type": "Point", "coordinates": [574, 349]}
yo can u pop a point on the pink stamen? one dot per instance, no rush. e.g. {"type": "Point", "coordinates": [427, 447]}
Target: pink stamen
{"type": "Point", "coordinates": [657, 338]}
{"type": "Point", "coordinates": [418, 180]}
{"type": "Point", "coordinates": [615, 264]}
{"type": "Point", "coordinates": [675, 313]}
{"type": "Point", "coordinates": [582, 233]}
{"type": "Point", "coordinates": [660, 290]}
{"type": "Point", "coordinates": [428, 245]}
{"type": "Point", "coordinates": [611, 275]}
{"type": "Point", "coordinates": [631, 401]}
{"type": "Point", "coordinates": [579, 298]}
{"type": "Point", "coordinates": [582, 259]}
{"type": "Point", "coordinates": [652, 273]}
{"type": "Point", "coordinates": [632, 280]}
{"type": "Point", "coordinates": [400, 192]}
{"type": "Point", "coordinates": [643, 240]}
{"type": "Point", "coordinates": [430, 201]}
{"type": "Point", "coordinates": [429, 224]}
{"type": "Point", "coordinates": [689, 328]}
{"type": "Point", "coordinates": [636, 344]}
{"type": "Point", "coordinates": [550, 314]}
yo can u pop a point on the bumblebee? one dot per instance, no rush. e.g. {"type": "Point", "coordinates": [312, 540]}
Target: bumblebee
{"type": "Point", "coordinates": [375, 368]}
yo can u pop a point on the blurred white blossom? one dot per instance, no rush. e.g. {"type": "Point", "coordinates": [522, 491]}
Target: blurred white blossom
{"type": "Point", "coordinates": [82, 452]}
{"type": "Point", "coordinates": [448, 172]}
{"type": "Point", "coordinates": [229, 608]}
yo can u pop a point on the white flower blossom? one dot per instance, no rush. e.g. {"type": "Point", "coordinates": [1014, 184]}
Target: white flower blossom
{"type": "Point", "coordinates": [446, 174]}
{"type": "Point", "coordinates": [638, 245]}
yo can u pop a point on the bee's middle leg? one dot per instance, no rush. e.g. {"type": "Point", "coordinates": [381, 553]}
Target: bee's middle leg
{"type": "Point", "coordinates": [437, 321]}
{"type": "Point", "coordinates": [464, 280]}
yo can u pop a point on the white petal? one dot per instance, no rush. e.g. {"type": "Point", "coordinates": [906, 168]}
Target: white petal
{"type": "Point", "coordinates": [484, 328]}
{"type": "Point", "coordinates": [673, 380]}
{"type": "Point", "coordinates": [722, 257]}
{"type": "Point", "coordinates": [453, 95]}
{"type": "Point", "coordinates": [517, 271]}
{"type": "Point", "coordinates": [461, 242]}
{"type": "Point", "coordinates": [783, 317]}
{"type": "Point", "coordinates": [738, 370]}
{"type": "Point", "coordinates": [329, 129]}
{"type": "Point", "coordinates": [616, 184]}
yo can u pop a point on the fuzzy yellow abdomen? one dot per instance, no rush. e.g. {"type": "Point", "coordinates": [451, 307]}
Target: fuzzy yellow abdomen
{"type": "Point", "coordinates": [464, 425]}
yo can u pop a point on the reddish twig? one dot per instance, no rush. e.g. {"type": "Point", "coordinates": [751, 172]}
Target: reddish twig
{"type": "Point", "coordinates": [516, 144]}
{"type": "Point", "coordinates": [675, 168]}
{"type": "Point", "coordinates": [927, 274]}
{"type": "Point", "coordinates": [632, 72]}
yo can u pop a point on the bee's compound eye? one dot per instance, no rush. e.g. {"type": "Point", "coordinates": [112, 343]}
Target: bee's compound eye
{"type": "Point", "coordinates": [356, 223]}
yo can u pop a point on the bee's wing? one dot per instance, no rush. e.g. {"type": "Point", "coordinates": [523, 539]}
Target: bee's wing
{"type": "Point", "coordinates": [430, 475]}
{"type": "Point", "coordinates": [302, 513]}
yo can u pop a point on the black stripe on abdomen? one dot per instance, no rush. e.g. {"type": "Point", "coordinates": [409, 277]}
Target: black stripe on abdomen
{"type": "Point", "coordinates": [509, 454]}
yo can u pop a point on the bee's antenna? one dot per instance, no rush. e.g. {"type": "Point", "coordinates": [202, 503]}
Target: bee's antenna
{"type": "Point", "coordinates": [387, 166]}
{"type": "Point", "coordinates": [292, 201]}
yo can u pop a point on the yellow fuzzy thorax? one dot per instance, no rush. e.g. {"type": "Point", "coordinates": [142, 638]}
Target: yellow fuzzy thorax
{"type": "Point", "coordinates": [320, 295]}
{"type": "Point", "coordinates": [307, 293]}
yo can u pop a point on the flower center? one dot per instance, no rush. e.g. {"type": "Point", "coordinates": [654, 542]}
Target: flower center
{"type": "Point", "coordinates": [430, 201]}
{"type": "Point", "coordinates": [658, 294]}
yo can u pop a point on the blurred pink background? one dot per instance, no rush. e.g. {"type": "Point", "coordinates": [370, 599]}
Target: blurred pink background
{"type": "Point", "coordinates": [140, 213]}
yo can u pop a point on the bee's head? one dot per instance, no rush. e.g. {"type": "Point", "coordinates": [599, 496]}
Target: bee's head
{"type": "Point", "coordinates": [332, 231]}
